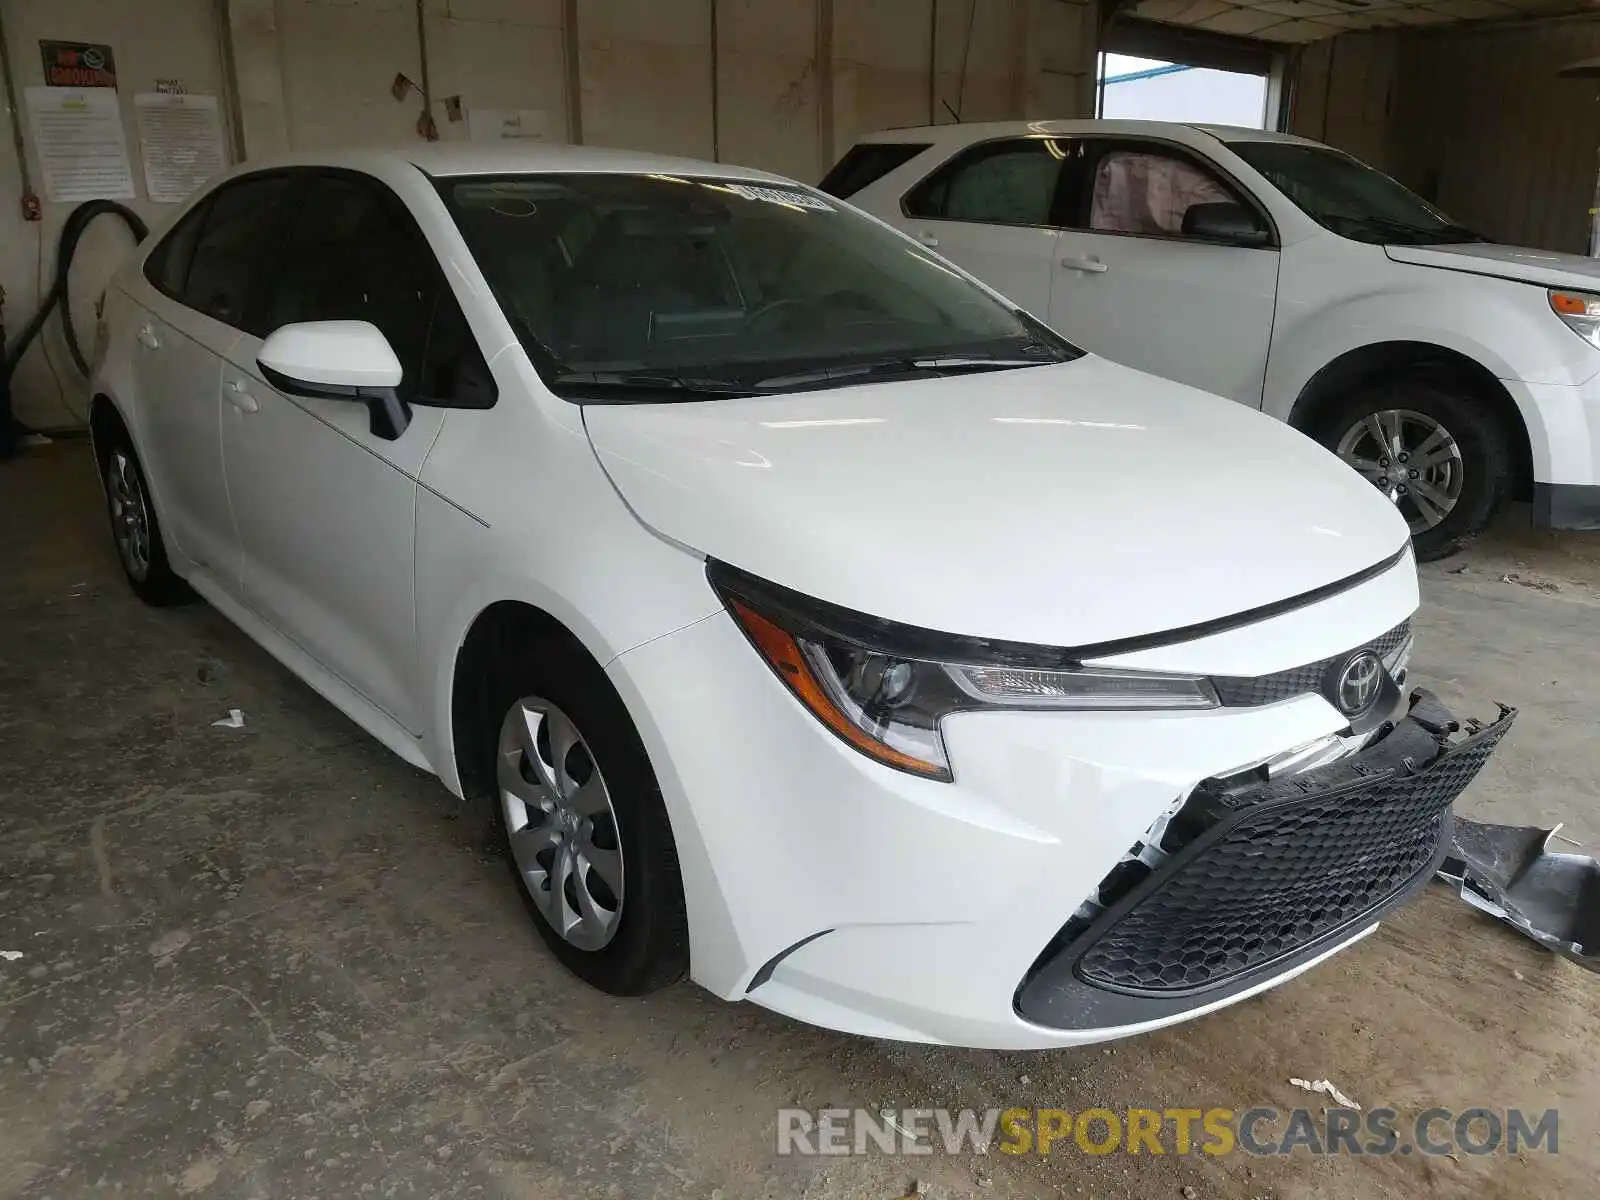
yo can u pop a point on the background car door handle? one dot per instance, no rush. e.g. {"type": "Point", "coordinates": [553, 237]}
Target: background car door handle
{"type": "Point", "coordinates": [148, 338]}
{"type": "Point", "coordinates": [928, 239]}
{"type": "Point", "coordinates": [238, 394]}
{"type": "Point", "coordinates": [1092, 266]}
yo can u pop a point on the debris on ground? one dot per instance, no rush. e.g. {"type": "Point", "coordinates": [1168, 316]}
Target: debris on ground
{"type": "Point", "coordinates": [1511, 873]}
{"type": "Point", "coordinates": [1188, 1192]}
{"type": "Point", "coordinates": [1529, 581]}
{"type": "Point", "coordinates": [10, 955]}
{"type": "Point", "coordinates": [234, 720]}
{"type": "Point", "coordinates": [1326, 1088]}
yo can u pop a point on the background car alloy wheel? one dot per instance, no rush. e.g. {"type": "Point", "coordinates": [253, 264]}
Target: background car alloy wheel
{"type": "Point", "coordinates": [1409, 457]}
{"type": "Point", "coordinates": [130, 517]}
{"type": "Point", "coordinates": [560, 823]}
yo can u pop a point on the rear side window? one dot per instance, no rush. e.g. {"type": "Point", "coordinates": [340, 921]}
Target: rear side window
{"type": "Point", "coordinates": [240, 233]}
{"type": "Point", "coordinates": [1012, 182]}
{"type": "Point", "coordinates": [168, 265]}
{"type": "Point", "coordinates": [866, 164]}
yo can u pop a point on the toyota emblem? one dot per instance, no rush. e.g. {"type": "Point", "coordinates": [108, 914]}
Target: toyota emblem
{"type": "Point", "coordinates": [1358, 683]}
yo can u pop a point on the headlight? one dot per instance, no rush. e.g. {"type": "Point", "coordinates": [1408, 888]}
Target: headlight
{"type": "Point", "coordinates": [1581, 312]}
{"type": "Point", "coordinates": [884, 687]}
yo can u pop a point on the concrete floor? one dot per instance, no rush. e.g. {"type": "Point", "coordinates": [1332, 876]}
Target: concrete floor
{"type": "Point", "coordinates": [275, 962]}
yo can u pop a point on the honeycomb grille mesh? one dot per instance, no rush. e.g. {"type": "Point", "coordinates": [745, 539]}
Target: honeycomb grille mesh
{"type": "Point", "coordinates": [1281, 876]}
{"type": "Point", "coordinates": [1249, 692]}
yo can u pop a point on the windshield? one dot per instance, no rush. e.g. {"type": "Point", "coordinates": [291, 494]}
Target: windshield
{"type": "Point", "coordinates": [1344, 195]}
{"type": "Point", "coordinates": [656, 282]}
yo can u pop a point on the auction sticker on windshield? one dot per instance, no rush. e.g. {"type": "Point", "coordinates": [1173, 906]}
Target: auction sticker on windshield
{"type": "Point", "coordinates": [779, 196]}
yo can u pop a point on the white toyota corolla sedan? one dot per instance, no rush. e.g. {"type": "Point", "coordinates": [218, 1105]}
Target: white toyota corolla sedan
{"type": "Point", "coordinates": [817, 623]}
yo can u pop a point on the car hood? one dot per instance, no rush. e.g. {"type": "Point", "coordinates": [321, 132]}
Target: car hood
{"type": "Point", "coordinates": [1062, 505]}
{"type": "Point", "coordinates": [1548, 267]}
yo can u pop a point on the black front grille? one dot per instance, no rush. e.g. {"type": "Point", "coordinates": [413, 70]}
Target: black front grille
{"type": "Point", "coordinates": [1276, 866]}
{"type": "Point", "coordinates": [1250, 691]}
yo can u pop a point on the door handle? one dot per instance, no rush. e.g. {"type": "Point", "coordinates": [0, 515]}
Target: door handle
{"type": "Point", "coordinates": [927, 239]}
{"type": "Point", "coordinates": [1091, 266]}
{"type": "Point", "coordinates": [148, 338]}
{"type": "Point", "coordinates": [237, 393]}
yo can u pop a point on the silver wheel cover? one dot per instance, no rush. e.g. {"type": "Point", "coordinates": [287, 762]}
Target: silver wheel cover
{"type": "Point", "coordinates": [559, 819]}
{"type": "Point", "coordinates": [130, 516]}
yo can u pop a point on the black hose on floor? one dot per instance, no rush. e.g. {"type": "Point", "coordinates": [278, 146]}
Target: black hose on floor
{"type": "Point", "coordinates": [71, 233]}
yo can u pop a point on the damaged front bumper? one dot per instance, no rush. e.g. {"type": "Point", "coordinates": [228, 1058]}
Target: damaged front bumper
{"type": "Point", "coordinates": [1256, 875]}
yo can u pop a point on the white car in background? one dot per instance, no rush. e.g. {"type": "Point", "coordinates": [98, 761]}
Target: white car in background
{"type": "Point", "coordinates": [1281, 273]}
{"type": "Point", "coordinates": [812, 620]}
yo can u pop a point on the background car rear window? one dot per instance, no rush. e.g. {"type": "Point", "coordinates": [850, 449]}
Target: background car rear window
{"type": "Point", "coordinates": [1001, 183]}
{"type": "Point", "coordinates": [240, 225]}
{"type": "Point", "coordinates": [866, 164]}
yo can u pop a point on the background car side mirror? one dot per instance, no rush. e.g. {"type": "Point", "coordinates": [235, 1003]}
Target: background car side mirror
{"type": "Point", "coordinates": [339, 360]}
{"type": "Point", "coordinates": [1225, 221]}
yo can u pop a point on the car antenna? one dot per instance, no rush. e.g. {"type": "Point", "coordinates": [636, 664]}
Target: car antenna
{"type": "Point", "coordinates": [950, 110]}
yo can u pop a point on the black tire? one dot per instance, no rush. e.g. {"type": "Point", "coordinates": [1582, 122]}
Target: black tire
{"type": "Point", "coordinates": [1479, 434]}
{"type": "Point", "coordinates": [650, 946]}
{"type": "Point", "coordinates": [129, 508]}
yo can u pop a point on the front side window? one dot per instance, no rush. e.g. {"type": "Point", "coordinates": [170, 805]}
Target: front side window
{"type": "Point", "coordinates": [239, 233]}
{"type": "Point", "coordinates": [999, 183]}
{"type": "Point", "coordinates": [720, 282]}
{"type": "Point", "coordinates": [1148, 192]}
{"type": "Point", "coordinates": [1349, 198]}
{"type": "Point", "coordinates": [353, 255]}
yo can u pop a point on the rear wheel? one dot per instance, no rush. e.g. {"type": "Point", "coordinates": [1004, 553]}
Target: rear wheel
{"type": "Point", "coordinates": [134, 526]}
{"type": "Point", "coordinates": [1440, 455]}
{"type": "Point", "coordinates": [582, 824]}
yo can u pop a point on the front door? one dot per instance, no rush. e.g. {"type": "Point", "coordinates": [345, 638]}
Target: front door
{"type": "Point", "coordinates": [990, 210]}
{"type": "Point", "coordinates": [326, 509]}
{"type": "Point", "coordinates": [1132, 285]}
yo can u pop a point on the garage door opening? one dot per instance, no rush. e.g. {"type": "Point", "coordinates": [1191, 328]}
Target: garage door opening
{"type": "Point", "coordinates": [1150, 89]}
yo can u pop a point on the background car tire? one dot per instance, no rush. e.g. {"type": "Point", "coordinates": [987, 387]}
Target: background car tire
{"type": "Point", "coordinates": [1478, 433]}
{"type": "Point", "coordinates": [650, 946]}
{"type": "Point", "coordinates": [134, 522]}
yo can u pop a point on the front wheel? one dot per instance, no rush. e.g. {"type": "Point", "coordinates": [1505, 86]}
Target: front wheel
{"type": "Point", "coordinates": [582, 823]}
{"type": "Point", "coordinates": [1439, 455]}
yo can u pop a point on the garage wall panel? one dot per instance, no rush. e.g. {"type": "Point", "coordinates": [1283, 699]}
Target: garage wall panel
{"type": "Point", "coordinates": [646, 75]}
{"type": "Point", "coordinates": [769, 87]}
{"type": "Point", "coordinates": [1345, 93]}
{"type": "Point", "coordinates": [339, 57]}
{"type": "Point", "coordinates": [1485, 125]}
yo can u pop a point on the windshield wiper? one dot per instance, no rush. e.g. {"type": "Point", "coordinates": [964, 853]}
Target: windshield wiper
{"type": "Point", "coordinates": [644, 386]}
{"type": "Point", "coordinates": [945, 364]}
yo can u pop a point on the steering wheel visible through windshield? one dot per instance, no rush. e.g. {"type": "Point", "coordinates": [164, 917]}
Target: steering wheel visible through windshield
{"type": "Point", "coordinates": [1347, 197]}
{"type": "Point", "coordinates": [696, 285]}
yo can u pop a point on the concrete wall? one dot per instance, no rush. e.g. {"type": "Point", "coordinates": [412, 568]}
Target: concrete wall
{"type": "Point", "coordinates": [795, 81]}
{"type": "Point", "coordinates": [186, 46]}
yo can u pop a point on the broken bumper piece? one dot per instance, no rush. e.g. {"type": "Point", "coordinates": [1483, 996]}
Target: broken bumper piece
{"type": "Point", "coordinates": [1510, 872]}
{"type": "Point", "coordinates": [1255, 876]}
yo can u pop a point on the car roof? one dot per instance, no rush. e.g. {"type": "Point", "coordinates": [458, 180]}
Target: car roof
{"type": "Point", "coordinates": [1181, 131]}
{"type": "Point", "coordinates": [443, 159]}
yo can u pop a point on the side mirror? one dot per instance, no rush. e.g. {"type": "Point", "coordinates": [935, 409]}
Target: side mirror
{"type": "Point", "coordinates": [339, 360]}
{"type": "Point", "coordinates": [1225, 221]}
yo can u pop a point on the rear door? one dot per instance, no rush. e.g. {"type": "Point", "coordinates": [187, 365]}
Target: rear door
{"type": "Point", "coordinates": [991, 210]}
{"type": "Point", "coordinates": [1130, 284]}
{"type": "Point", "coordinates": [200, 277]}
